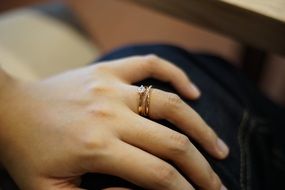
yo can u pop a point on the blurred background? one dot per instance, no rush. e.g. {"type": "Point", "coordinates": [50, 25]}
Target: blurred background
{"type": "Point", "coordinates": [39, 38]}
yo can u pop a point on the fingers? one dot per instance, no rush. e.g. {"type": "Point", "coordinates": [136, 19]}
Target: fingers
{"type": "Point", "coordinates": [170, 145]}
{"type": "Point", "coordinates": [137, 68]}
{"type": "Point", "coordinates": [165, 105]}
{"type": "Point", "coordinates": [169, 106]}
{"type": "Point", "coordinates": [143, 169]}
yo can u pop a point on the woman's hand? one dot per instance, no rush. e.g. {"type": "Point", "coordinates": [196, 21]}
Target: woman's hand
{"type": "Point", "coordinates": [55, 130]}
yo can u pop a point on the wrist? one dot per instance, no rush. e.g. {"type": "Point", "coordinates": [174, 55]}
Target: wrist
{"type": "Point", "coordinates": [5, 80]}
{"type": "Point", "coordinates": [6, 84]}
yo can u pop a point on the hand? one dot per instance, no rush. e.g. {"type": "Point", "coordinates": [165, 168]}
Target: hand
{"type": "Point", "coordinates": [55, 130]}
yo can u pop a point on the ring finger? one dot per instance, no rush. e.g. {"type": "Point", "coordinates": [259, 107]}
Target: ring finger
{"type": "Point", "coordinates": [169, 106]}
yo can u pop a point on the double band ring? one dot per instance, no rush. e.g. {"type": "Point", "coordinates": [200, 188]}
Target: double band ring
{"type": "Point", "coordinates": [144, 100]}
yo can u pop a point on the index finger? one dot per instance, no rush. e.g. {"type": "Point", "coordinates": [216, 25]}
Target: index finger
{"type": "Point", "coordinates": [137, 68]}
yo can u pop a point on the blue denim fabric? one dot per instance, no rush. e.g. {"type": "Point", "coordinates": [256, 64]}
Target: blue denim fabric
{"type": "Point", "coordinates": [250, 124]}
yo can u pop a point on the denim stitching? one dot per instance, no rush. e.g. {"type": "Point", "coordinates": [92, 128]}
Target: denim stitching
{"type": "Point", "coordinates": [243, 177]}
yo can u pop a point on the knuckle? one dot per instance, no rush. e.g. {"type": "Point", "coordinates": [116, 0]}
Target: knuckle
{"type": "Point", "coordinates": [105, 89]}
{"type": "Point", "coordinates": [180, 143]}
{"type": "Point", "coordinates": [150, 61]}
{"type": "Point", "coordinates": [209, 134]}
{"type": "Point", "coordinates": [215, 182]}
{"type": "Point", "coordinates": [89, 142]}
{"type": "Point", "coordinates": [101, 68]}
{"type": "Point", "coordinates": [101, 112]}
{"type": "Point", "coordinates": [149, 64]}
{"type": "Point", "coordinates": [93, 149]}
{"type": "Point", "coordinates": [173, 101]}
{"type": "Point", "coordinates": [99, 89]}
{"type": "Point", "coordinates": [152, 58]}
{"type": "Point", "coordinates": [164, 175]}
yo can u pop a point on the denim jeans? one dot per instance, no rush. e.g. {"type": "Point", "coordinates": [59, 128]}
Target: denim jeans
{"type": "Point", "coordinates": [247, 121]}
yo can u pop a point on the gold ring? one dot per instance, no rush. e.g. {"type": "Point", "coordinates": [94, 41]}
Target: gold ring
{"type": "Point", "coordinates": [144, 100]}
{"type": "Point", "coordinates": [141, 91]}
{"type": "Point", "coordinates": [147, 101]}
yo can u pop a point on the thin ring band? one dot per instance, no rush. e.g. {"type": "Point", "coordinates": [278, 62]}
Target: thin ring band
{"type": "Point", "coordinates": [144, 100]}
{"type": "Point", "coordinates": [147, 101]}
{"type": "Point", "coordinates": [141, 91]}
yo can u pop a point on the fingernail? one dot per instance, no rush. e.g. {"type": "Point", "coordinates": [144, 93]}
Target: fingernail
{"type": "Point", "coordinates": [224, 149]}
{"type": "Point", "coordinates": [195, 90]}
{"type": "Point", "coordinates": [223, 188]}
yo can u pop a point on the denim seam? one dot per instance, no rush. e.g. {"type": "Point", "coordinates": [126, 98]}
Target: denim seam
{"type": "Point", "coordinates": [244, 137]}
{"type": "Point", "coordinates": [247, 157]}
{"type": "Point", "coordinates": [243, 172]}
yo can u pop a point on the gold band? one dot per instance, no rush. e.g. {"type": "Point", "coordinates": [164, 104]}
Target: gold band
{"type": "Point", "coordinates": [141, 91]}
{"type": "Point", "coordinates": [144, 100]}
{"type": "Point", "coordinates": [147, 101]}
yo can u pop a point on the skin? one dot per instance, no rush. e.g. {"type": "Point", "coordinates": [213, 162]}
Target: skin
{"type": "Point", "coordinates": [54, 130]}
